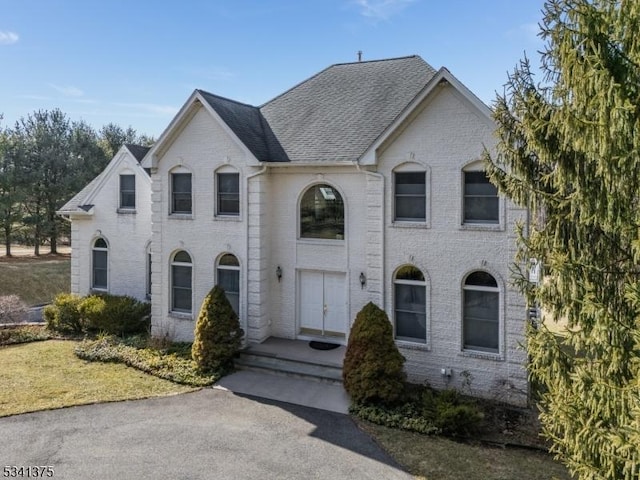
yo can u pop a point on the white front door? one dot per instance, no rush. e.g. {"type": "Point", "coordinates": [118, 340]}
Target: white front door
{"type": "Point", "coordinates": [323, 303]}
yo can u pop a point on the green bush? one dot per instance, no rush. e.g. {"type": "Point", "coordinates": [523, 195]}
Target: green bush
{"type": "Point", "coordinates": [218, 335]}
{"type": "Point", "coordinates": [115, 314]}
{"type": "Point", "coordinates": [450, 412]}
{"type": "Point", "coordinates": [373, 366]}
{"type": "Point", "coordinates": [63, 315]}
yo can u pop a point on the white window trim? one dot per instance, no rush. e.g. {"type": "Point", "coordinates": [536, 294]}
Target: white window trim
{"type": "Point", "coordinates": [485, 354]}
{"type": "Point", "coordinates": [478, 166]}
{"type": "Point", "coordinates": [172, 310]}
{"type": "Point", "coordinates": [321, 241]}
{"type": "Point", "coordinates": [236, 268]}
{"type": "Point", "coordinates": [216, 207]}
{"type": "Point", "coordinates": [121, 208]}
{"type": "Point", "coordinates": [405, 342]}
{"type": "Point", "coordinates": [99, 249]}
{"type": "Point", "coordinates": [180, 215]}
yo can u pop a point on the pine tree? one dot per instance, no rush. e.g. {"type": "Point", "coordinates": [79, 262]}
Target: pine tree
{"type": "Point", "coordinates": [569, 149]}
{"type": "Point", "coordinates": [218, 335]}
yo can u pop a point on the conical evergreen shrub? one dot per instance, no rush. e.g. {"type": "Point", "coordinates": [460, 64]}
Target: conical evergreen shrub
{"type": "Point", "coordinates": [218, 335]}
{"type": "Point", "coordinates": [373, 367]}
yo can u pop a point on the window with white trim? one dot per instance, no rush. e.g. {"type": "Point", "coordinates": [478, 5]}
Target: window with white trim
{"type": "Point", "coordinates": [228, 273]}
{"type": "Point", "coordinates": [410, 190]}
{"type": "Point", "coordinates": [181, 282]}
{"type": "Point", "coordinates": [481, 313]}
{"type": "Point", "coordinates": [181, 201]}
{"type": "Point", "coordinates": [148, 283]}
{"type": "Point", "coordinates": [481, 202]}
{"type": "Point", "coordinates": [410, 305]}
{"type": "Point", "coordinates": [128, 192]}
{"type": "Point", "coordinates": [99, 264]}
{"type": "Point", "coordinates": [322, 213]}
{"type": "Point", "coordinates": [228, 194]}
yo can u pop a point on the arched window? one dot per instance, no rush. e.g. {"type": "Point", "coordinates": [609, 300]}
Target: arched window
{"type": "Point", "coordinates": [99, 265]}
{"type": "Point", "coordinates": [410, 305]}
{"type": "Point", "coordinates": [481, 315]}
{"type": "Point", "coordinates": [148, 277]}
{"type": "Point", "coordinates": [228, 273]}
{"type": "Point", "coordinates": [322, 213]}
{"type": "Point", "coordinates": [181, 282]}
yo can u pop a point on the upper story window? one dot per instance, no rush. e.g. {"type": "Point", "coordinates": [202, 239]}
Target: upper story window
{"type": "Point", "coordinates": [128, 191]}
{"type": "Point", "coordinates": [181, 282]}
{"type": "Point", "coordinates": [410, 196]}
{"type": "Point", "coordinates": [228, 273]}
{"type": "Point", "coordinates": [481, 203]}
{"type": "Point", "coordinates": [99, 264]}
{"type": "Point", "coordinates": [322, 213]}
{"type": "Point", "coordinates": [181, 201]}
{"type": "Point", "coordinates": [228, 194]}
{"type": "Point", "coordinates": [410, 305]}
{"type": "Point", "coordinates": [481, 313]}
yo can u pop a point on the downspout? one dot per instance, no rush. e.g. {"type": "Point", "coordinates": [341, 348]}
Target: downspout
{"type": "Point", "coordinates": [246, 276]}
{"type": "Point", "coordinates": [382, 229]}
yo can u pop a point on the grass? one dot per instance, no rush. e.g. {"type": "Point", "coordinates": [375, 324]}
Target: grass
{"type": "Point", "coordinates": [36, 280]}
{"type": "Point", "coordinates": [438, 458]}
{"type": "Point", "coordinates": [45, 375]}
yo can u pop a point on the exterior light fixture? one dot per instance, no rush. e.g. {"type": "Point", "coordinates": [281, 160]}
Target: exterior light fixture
{"type": "Point", "coordinates": [363, 280]}
{"type": "Point", "coordinates": [279, 273]}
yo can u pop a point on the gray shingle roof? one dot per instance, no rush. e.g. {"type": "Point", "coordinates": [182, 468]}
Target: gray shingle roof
{"type": "Point", "coordinates": [249, 125]}
{"type": "Point", "coordinates": [138, 151]}
{"type": "Point", "coordinates": [336, 114]}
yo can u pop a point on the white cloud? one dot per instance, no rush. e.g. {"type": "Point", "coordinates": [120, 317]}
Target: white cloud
{"type": "Point", "coordinates": [67, 90]}
{"type": "Point", "coordinates": [7, 38]}
{"type": "Point", "coordinates": [381, 9]}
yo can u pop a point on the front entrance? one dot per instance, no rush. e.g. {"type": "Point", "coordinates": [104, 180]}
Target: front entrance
{"type": "Point", "coordinates": [322, 301]}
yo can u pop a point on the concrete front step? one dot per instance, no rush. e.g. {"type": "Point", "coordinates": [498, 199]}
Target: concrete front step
{"type": "Point", "coordinates": [287, 366]}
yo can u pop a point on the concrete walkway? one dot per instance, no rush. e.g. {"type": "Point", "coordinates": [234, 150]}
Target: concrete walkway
{"type": "Point", "coordinates": [298, 391]}
{"type": "Point", "coordinates": [209, 434]}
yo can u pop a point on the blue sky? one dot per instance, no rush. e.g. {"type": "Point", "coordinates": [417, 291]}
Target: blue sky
{"type": "Point", "coordinates": [134, 63]}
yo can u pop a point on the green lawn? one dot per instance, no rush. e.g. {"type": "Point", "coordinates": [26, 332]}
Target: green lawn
{"type": "Point", "coordinates": [45, 375]}
{"type": "Point", "coordinates": [34, 280]}
{"type": "Point", "coordinates": [438, 458]}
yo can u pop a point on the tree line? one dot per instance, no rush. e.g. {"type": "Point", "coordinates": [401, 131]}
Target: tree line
{"type": "Point", "coordinates": [45, 159]}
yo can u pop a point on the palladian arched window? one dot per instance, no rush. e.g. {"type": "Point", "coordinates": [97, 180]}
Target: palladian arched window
{"type": "Point", "coordinates": [410, 305]}
{"type": "Point", "coordinates": [322, 213]}
{"type": "Point", "coordinates": [181, 282]}
{"type": "Point", "coordinates": [228, 273]}
{"type": "Point", "coordinates": [99, 264]}
{"type": "Point", "coordinates": [481, 313]}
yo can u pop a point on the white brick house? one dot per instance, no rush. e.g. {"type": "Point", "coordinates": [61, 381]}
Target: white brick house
{"type": "Point", "coordinates": [359, 184]}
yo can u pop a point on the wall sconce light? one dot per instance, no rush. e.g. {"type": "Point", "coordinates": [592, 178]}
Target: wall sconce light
{"type": "Point", "coordinates": [278, 273]}
{"type": "Point", "coordinates": [363, 280]}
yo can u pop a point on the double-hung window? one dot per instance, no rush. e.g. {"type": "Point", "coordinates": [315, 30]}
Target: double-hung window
{"type": "Point", "coordinates": [481, 313]}
{"type": "Point", "coordinates": [99, 264]}
{"type": "Point", "coordinates": [228, 193]}
{"type": "Point", "coordinates": [410, 196]}
{"type": "Point", "coordinates": [181, 193]}
{"type": "Point", "coordinates": [228, 273]}
{"type": "Point", "coordinates": [481, 203]}
{"type": "Point", "coordinates": [410, 294]}
{"type": "Point", "coordinates": [181, 283]}
{"type": "Point", "coordinates": [128, 192]}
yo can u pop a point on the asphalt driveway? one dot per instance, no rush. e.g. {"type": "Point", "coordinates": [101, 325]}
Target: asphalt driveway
{"type": "Point", "coordinates": [209, 434]}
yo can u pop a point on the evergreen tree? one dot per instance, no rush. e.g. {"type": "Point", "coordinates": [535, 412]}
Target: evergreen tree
{"type": "Point", "coordinates": [218, 335]}
{"type": "Point", "coordinates": [569, 149]}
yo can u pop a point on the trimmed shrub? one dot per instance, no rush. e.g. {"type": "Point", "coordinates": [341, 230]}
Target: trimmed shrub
{"type": "Point", "coordinates": [450, 412]}
{"type": "Point", "coordinates": [23, 334]}
{"type": "Point", "coordinates": [115, 314]}
{"type": "Point", "coordinates": [63, 315]}
{"type": "Point", "coordinates": [373, 366]}
{"type": "Point", "coordinates": [218, 335]}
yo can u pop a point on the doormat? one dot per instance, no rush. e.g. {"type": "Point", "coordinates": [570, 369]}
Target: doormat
{"type": "Point", "coordinates": [323, 345]}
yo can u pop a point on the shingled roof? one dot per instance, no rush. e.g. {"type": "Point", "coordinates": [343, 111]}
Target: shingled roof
{"type": "Point", "coordinates": [249, 125]}
{"type": "Point", "coordinates": [333, 116]}
{"type": "Point", "coordinates": [336, 114]}
{"type": "Point", "coordinates": [138, 151]}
